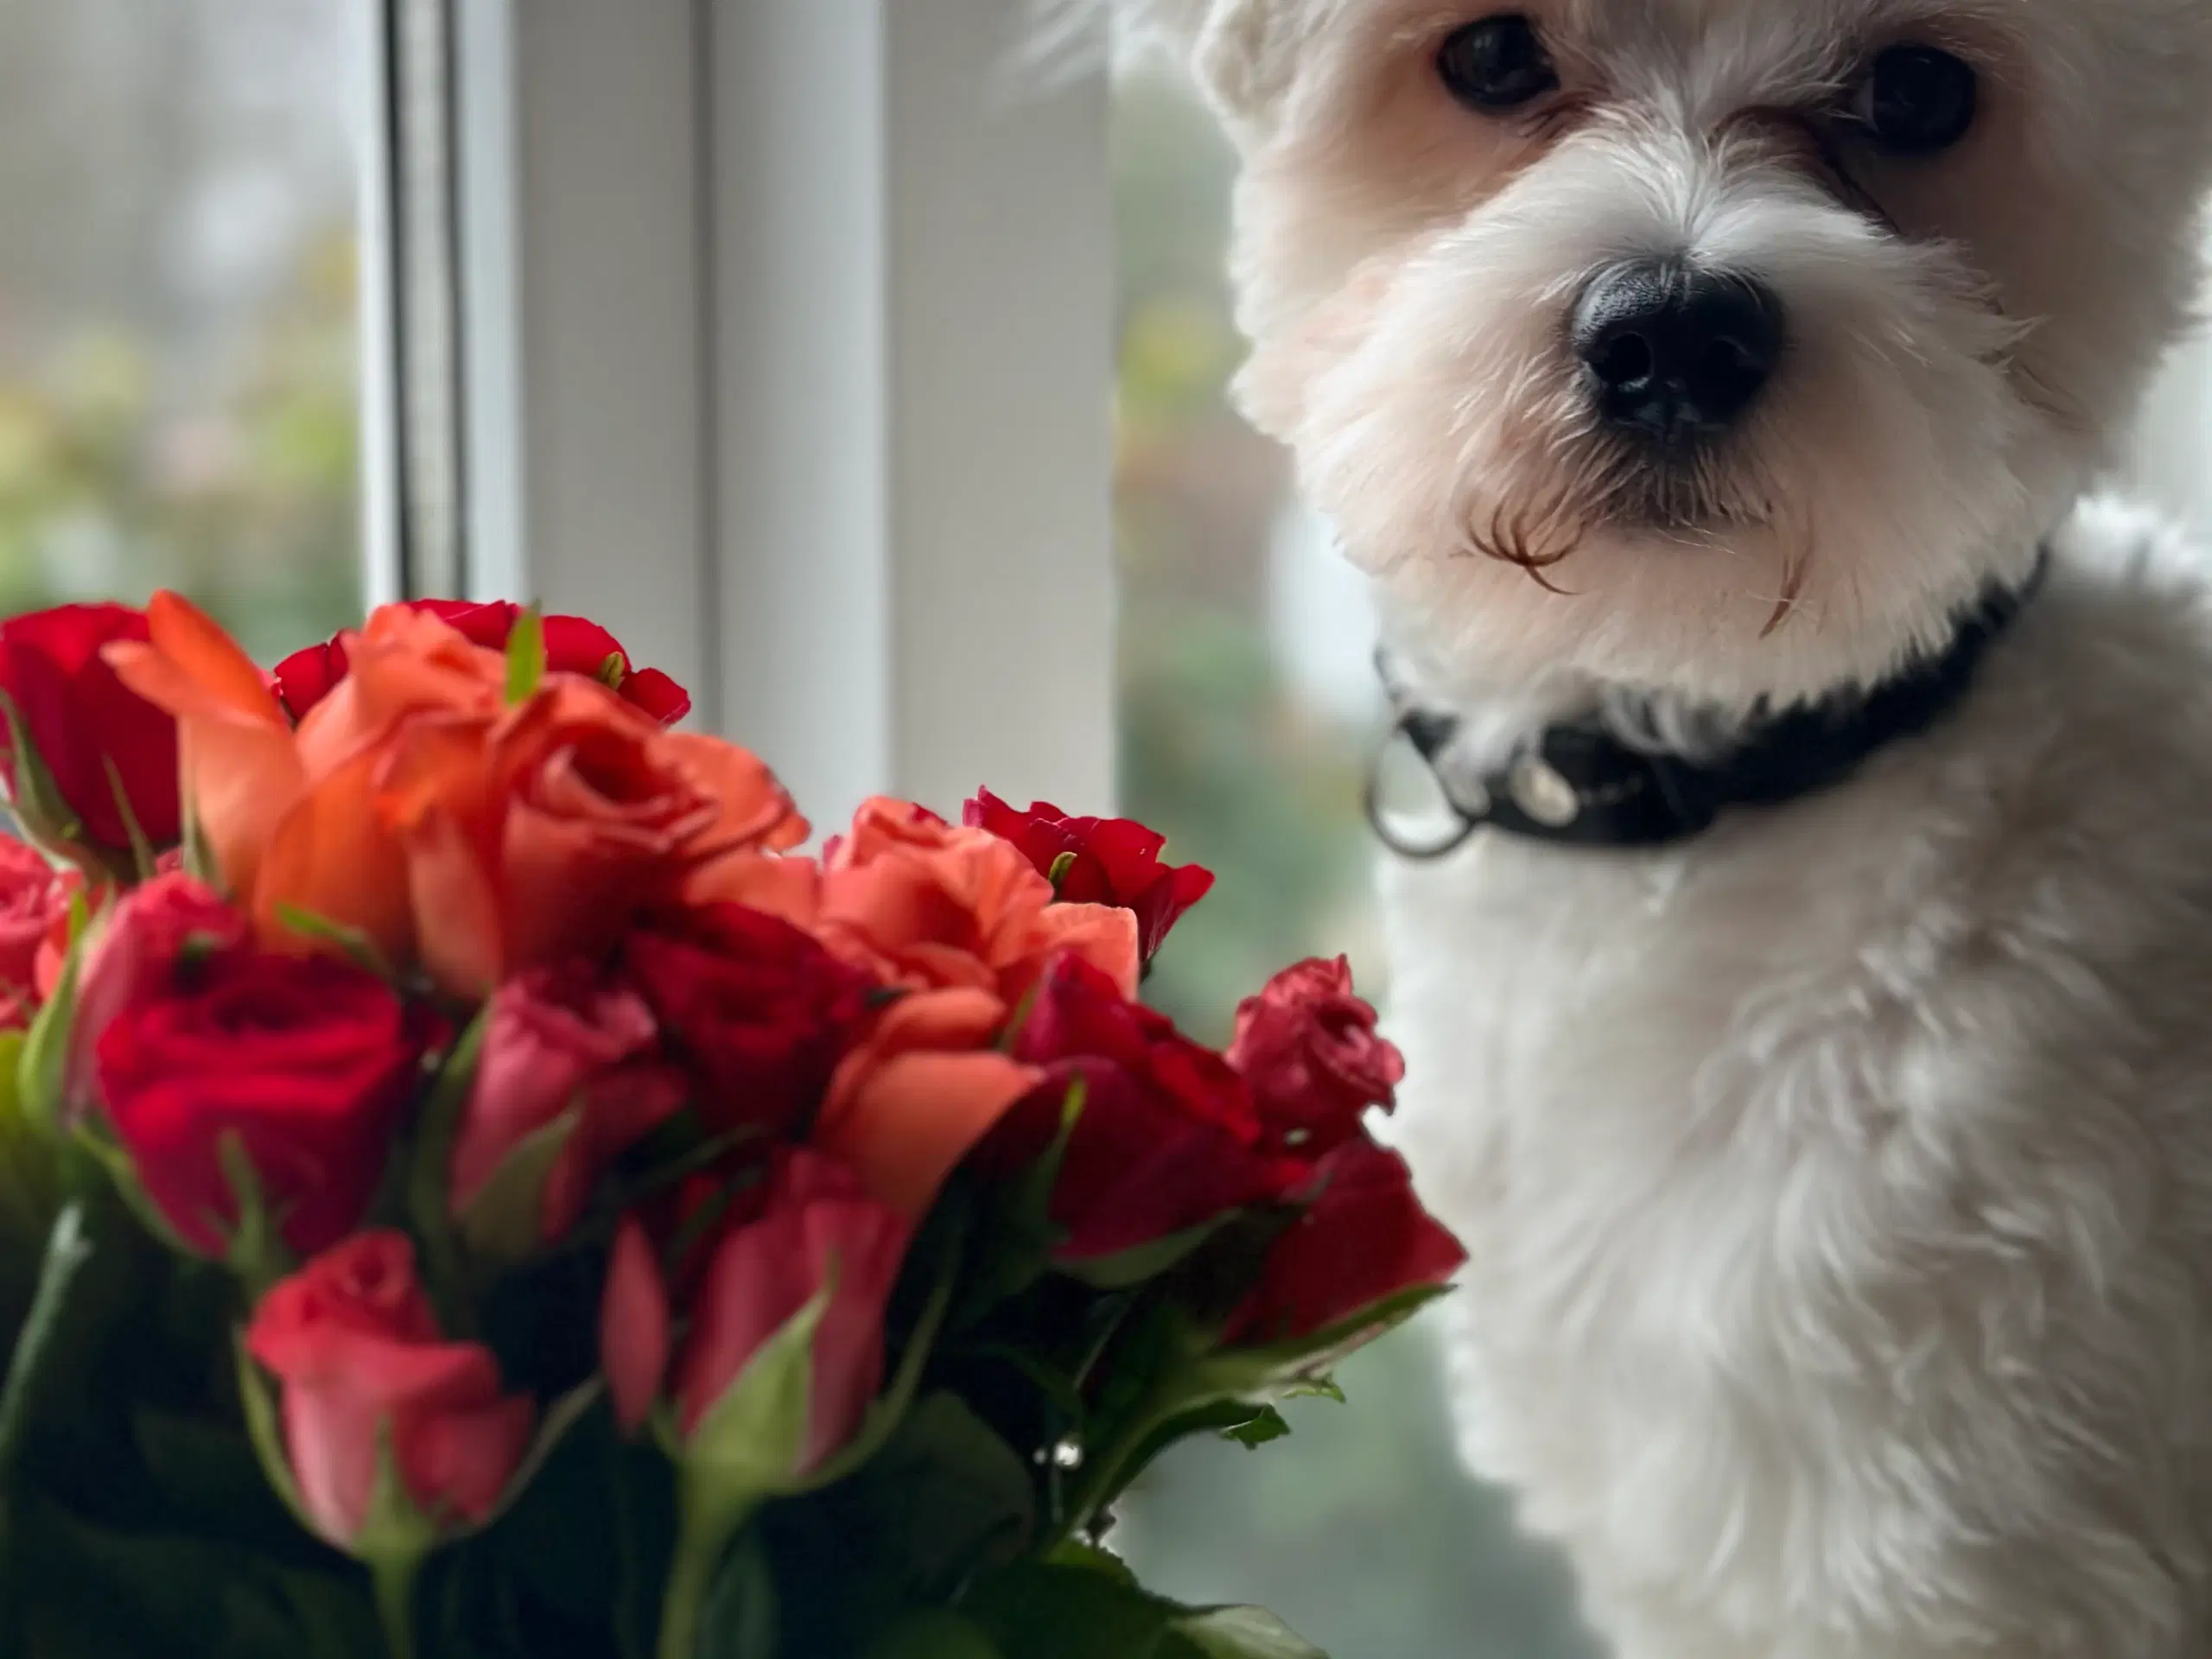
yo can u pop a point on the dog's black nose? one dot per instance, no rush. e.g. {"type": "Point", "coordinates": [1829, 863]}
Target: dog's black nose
{"type": "Point", "coordinates": [1674, 353]}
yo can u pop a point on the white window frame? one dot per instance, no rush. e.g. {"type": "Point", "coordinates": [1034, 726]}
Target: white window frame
{"type": "Point", "coordinates": [784, 350]}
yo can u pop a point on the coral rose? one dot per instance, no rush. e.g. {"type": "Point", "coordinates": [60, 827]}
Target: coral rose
{"type": "Point", "coordinates": [540, 836]}
{"type": "Point", "coordinates": [928, 907]}
{"type": "Point", "coordinates": [926, 1087]}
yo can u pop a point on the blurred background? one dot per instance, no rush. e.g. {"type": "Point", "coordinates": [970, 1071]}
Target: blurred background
{"type": "Point", "coordinates": [178, 319]}
{"type": "Point", "coordinates": [180, 370]}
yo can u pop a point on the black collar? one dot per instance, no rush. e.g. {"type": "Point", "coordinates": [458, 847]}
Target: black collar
{"type": "Point", "coordinates": [1577, 785]}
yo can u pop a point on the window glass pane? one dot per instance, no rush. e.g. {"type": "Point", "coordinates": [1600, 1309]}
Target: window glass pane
{"type": "Point", "coordinates": [178, 340]}
{"type": "Point", "coordinates": [1249, 709]}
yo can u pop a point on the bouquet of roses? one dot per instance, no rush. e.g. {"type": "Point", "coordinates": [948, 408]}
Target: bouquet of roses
{"type": "Point", "coordinates": [469, 1185]}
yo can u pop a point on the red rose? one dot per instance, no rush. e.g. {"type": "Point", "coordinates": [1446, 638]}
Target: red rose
{"type": "Point", "coordinates": [1168, 1139]}
{"type": "Point", "coordinates": [352, 1339]}
{"type": "Point", "coordinates": [573, 645]}
{"type": "Point", "coordinates": [136, 952]}
{"type": "Point", "coordinates": [558, 1041]}
{"type": "Point", "coordinates": [816, 1226]}
{"type": "Point", "coordinates": [33, 895]}
{"type": "Point", "coordinates": [1365, 1237]}
{"type": "Point", "coordinates": [306, 1062]}
{"type": "Point", "coordinates": [1308, 1047]}
{"type": "Point", "coordinates": [1099, 862]}
{"type": "Point", "coordinates": [760, 1010]}
{"type": "Point", "coordinates": [90, 735]}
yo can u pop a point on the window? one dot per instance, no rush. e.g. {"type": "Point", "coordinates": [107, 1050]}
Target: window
{"type": "Point", "coordinates": [179, 348]}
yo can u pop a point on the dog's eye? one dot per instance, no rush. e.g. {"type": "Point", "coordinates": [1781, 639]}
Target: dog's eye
{"type": "Point", "coordinates": [1916, 100]}
{"type": "Point", "coordinates": [1497, 64]}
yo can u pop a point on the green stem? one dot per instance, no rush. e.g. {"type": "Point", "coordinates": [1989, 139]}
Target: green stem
{"type": "Point", "coordinates": [393, 1574]}
{"type": "Point", "coordinates": [704, 1528]}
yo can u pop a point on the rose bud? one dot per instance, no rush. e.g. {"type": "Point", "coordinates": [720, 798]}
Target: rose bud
{"type": "Point", "coordinates": [84, 758]}
{"type": "Point", "coordinates": [1309, 1049]}
{"type": "Point", "coordinates": [352, 1341]}
{"type": "Point", "coordinates": [811, 1230]}
{"type": "Point", "coordinates": [561, 1041]}
{"type": "Point", "coordinates": [1099, 862]}
{"type": "Point", "coordinates": [301, 1064]}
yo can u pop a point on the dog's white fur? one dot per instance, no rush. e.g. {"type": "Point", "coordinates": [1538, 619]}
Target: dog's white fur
{"type": "Point", "coordinates": [1838, 1186]}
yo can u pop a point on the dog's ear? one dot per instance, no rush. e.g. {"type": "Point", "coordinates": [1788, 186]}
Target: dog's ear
{"type": "Point", "coordinates": [1239, 51]}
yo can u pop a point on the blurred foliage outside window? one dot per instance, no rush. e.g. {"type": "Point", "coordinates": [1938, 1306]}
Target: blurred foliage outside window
{"type": "Point", "coordinates": [178, 342]}
{"type": "Point", "coordinates": [1362, 1529]}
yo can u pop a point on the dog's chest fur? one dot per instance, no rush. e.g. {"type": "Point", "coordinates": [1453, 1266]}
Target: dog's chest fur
{"type": "Point", "coordinates": [1839, 1189]}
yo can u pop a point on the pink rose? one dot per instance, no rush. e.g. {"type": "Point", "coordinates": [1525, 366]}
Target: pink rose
{"type": "Point", "coordinates": [33, 897]}
{"type": "Point", "coordinates": [558, 1039]}
{"type": "Point", "coordinates": [353, 1341]}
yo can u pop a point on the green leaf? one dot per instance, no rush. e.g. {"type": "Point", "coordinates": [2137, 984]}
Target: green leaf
{"type": "Point", "coordinates": [94, 1144]}
{"type": "Point", "coordinates": [1058, 1612]}
{"type": "Point", "coordinates": [142, 850]}
{"type": "Point", "coordinates": [1092, 1559]}
{"type": "Point", "coordinates": [1277, 1370]}
{"type": "Point", "coordinates": [197, 857]}
{"type": "Point", "coordinates": [947, 1499]}
{"type": "Point", "coordinates": [1242, 1633]}
{"type": "Point", "coordinates": [526, 656]}
{"type": "Point", "coordinates": [504, 1224]}
{"type": "Point", "coordinates": [259, 1405]}
{"type": "Point", "coordinates": [255, 1252]}
{"type": "Point", "coordinates": [42, 1069]}
{"type": "Point", "coordinates": [46, 817]}
{"type": "Point", "coordinates": [937, 1633]}
{"type": "Point", "coordinates": [1267, 1425]}
{"type": "Point", "coordinates": [1069, 1612]}
{"type": "Point", "coordinates": [352, 942]}
{"type": "Point", "coordinates": [68, 1251]}
{"type": "Point", "coordinates": [429, 1166]}
{"type": "Point", "coordinates": [89, 1592]}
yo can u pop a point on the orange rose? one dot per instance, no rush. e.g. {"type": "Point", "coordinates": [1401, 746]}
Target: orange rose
{"type": "Point", "coordinates": [537, 837]}
{"type": "Point", "coordinates": [911, 1102]}
{"type": "Point", "coordinates": [290, 816]}
{"type": "Point", "coordinates": [414, 806]}
{"type": "Point", "coordinates": [926, 905]}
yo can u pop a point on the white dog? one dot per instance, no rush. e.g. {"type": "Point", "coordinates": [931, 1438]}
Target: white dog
{"type": "Point", "coordinates": [1711, 388]}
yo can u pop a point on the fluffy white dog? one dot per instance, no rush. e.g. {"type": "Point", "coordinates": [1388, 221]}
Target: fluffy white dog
{"type": "Point", "coordinates": [1711, 388]}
